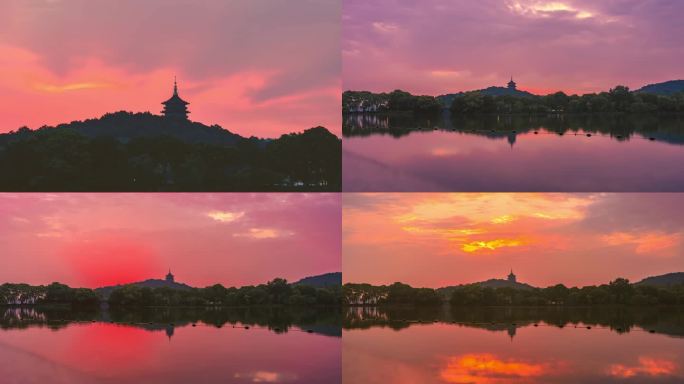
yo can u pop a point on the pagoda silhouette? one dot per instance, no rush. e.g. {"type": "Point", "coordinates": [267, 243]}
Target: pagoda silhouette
{"type": "Point", "coordinates": [175, 108]}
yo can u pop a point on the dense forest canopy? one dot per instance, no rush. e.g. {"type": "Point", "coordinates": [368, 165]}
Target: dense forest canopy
{"type": "Point", "coordinates": [144, 152]}
{"type": "Point", "coordinates": [617, 292]}
{"type": "Point", "coordinates": [617, 100]}
{"type": "Point", "coordinates": [275, 292]}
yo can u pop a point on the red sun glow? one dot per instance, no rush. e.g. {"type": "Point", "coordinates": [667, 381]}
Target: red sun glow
{"type": "Point", "coordinates": [111, 261]}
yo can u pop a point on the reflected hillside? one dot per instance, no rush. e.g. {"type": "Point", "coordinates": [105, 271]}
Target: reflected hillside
{"type": "Point", "coordinates": [663, 320]}
{"type": "Point", "coordinates": [324, 321]}
{"type": "Point", "coordinates": [665, 128]}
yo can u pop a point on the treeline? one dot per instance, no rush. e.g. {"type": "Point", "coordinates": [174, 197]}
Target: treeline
{"type": "Point", "coordinates": [275, 292]}
{"type": "Point", "coordinates": [618, 99]}
{"type": "Point", "coordinates": [617, 292]}
{"type": "Point", "coordinates": [395, 101]}
{"type": "Point", "coordinates": [84, 156]}
{"type": "Point", "coordinates": [395, 294]}
{"type": "Point", "coordinates": [53, 294]}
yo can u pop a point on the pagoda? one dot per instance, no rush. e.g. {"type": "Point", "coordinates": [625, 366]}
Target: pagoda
{"type": "Point", "coordinates": [175, 108]}
{"type": "Point", "coordinates": [511, 84]}
{"type": "Point", "coordinates": [169, 277]}
{"type": "Point", "coordinates": [511, 277]}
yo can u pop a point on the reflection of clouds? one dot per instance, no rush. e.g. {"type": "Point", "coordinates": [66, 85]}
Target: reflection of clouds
{"type": "Point", "coordinates": [266, 377]}
{"type": "Point", "coordinates": [646, 366]}
{"type": "Point", "coordinates": [487, 368]}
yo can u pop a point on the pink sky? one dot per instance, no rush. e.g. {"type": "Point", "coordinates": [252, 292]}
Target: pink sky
{"type": "Point", "coordinates": [440, 239]}
{"type": "Point", "coordinates": [442, 46]}
{"type": "Point", "coordinates": [255, 67]}
{"type": "Point", "coordinates": [233, 239]}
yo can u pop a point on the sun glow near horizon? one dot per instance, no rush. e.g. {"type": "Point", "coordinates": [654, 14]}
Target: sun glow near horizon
{"type": "Point", "coordinates": [436, 239]}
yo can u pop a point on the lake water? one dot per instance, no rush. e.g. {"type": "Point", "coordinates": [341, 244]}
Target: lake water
{"type": "Point", "coordinates": [513, 153]}
{"type": "Point", "coordinates": [163, 346]}
{"type": "Point", "coordinates": [513, 345]}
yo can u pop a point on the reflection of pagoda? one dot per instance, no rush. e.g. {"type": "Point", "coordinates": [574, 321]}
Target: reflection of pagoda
{"type": "Point", "coordinates": [169, 331]}
{"type": "Point", "coordinates": [175, 108]}
{"type": "Point", "coordinates": [511, 331]}
{"type": "Point", "coordinates": [511, 139]}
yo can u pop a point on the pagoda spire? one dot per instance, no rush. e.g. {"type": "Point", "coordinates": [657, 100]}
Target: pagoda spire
{"type": "Point", "coordinates": [175, 85]}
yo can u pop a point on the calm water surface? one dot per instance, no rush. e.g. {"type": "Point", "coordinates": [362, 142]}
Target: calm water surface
{"type": "Point", "coordinates": [503, 345]}
{"type": "Point", "coordinates": [162, 346]}
{"type": "Point", "coordinates": [513, 153]}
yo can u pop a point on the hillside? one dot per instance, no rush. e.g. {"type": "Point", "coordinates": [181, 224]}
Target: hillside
{"type": "Point", "coordinates": [448, 98]}
{"type": "Point", "coordinates": [325, 280]}
{"type": "Point", "coordinates": [125, 126]}
{"type": "Point", "coordinates": [663, 280]}
{"type": "Point", "coordinates": [491, 283]}
{"type": "Point", "coordinates": [141, 152]}
{"type": "Point", "coordinates": [149, 283]}
{"type": "Point", "coordinates": [664, 88]}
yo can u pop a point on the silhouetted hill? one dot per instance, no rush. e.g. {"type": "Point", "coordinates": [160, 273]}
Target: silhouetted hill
{"type": "Point", "coordinates": [325, 280]}
{"type": "Point", "coordinates": [491, 283]}
{"type": "Point", "coordinates": [125, 126]}
{"type": "Point", "coordinates": [140, 152]}
{"type": "Point", "coordinates": [664, 88]}
{"type": "Point", "coordinates": [149, 283]}
{"type": "Point", "coordinates": [500, 283]}
{"type": "Point", "coordinates": [663, 280]}
{"type": "Point", "coordinates": [448, 98]}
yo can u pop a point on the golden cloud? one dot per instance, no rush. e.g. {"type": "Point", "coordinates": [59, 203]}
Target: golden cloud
{"type": "Point", "coordinates": [490, 245]}
{"type": "Point", "coordinates": [537, 8]}
{"type": "Point", "coordinates": [225, 216]}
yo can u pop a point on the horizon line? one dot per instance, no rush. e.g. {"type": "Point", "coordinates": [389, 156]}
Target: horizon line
{"type": "Point", "coordinates": [518, 282]}
{"type": "Point", "coordinates": [501, 86]}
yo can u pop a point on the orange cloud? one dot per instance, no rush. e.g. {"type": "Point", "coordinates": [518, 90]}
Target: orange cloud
{"type": "Point", "coordinates": [53, 88]}
{"type": "Point", "coordinates": [645, 243]}
{"type": "Point", "coordinates": [487, 368]}
{"type": "Point", "coordinates": [646, 367]}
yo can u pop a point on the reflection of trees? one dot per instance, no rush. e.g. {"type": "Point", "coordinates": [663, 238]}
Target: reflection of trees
{"type": "Point", "coordinates": [667, 128]}
{"type": "Point", "coordinates": [665, 320]}
{"type": "Point", "coordinates": [321, 320]}
{"type": "Point", "coordinates": [54, 317]}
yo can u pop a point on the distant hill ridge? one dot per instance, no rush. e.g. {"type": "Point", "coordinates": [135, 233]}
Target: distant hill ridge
{"type": "Point", "coordinates": [664, 88]}
{"type": "Point", "coordinates": [448, 98]}
{"type": "Point", "coordinates": [663, 280]}
{"type": "Point", "coordinates": [319, 281]}
{"type": "Point", "coordinates": [125, 126]}
{"type": "Point", "coordinates": [324, 280]}
{"type": "Point", "coordinates": [149, 283]}
{"type": "Point", "coordinates": [660, 280]}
